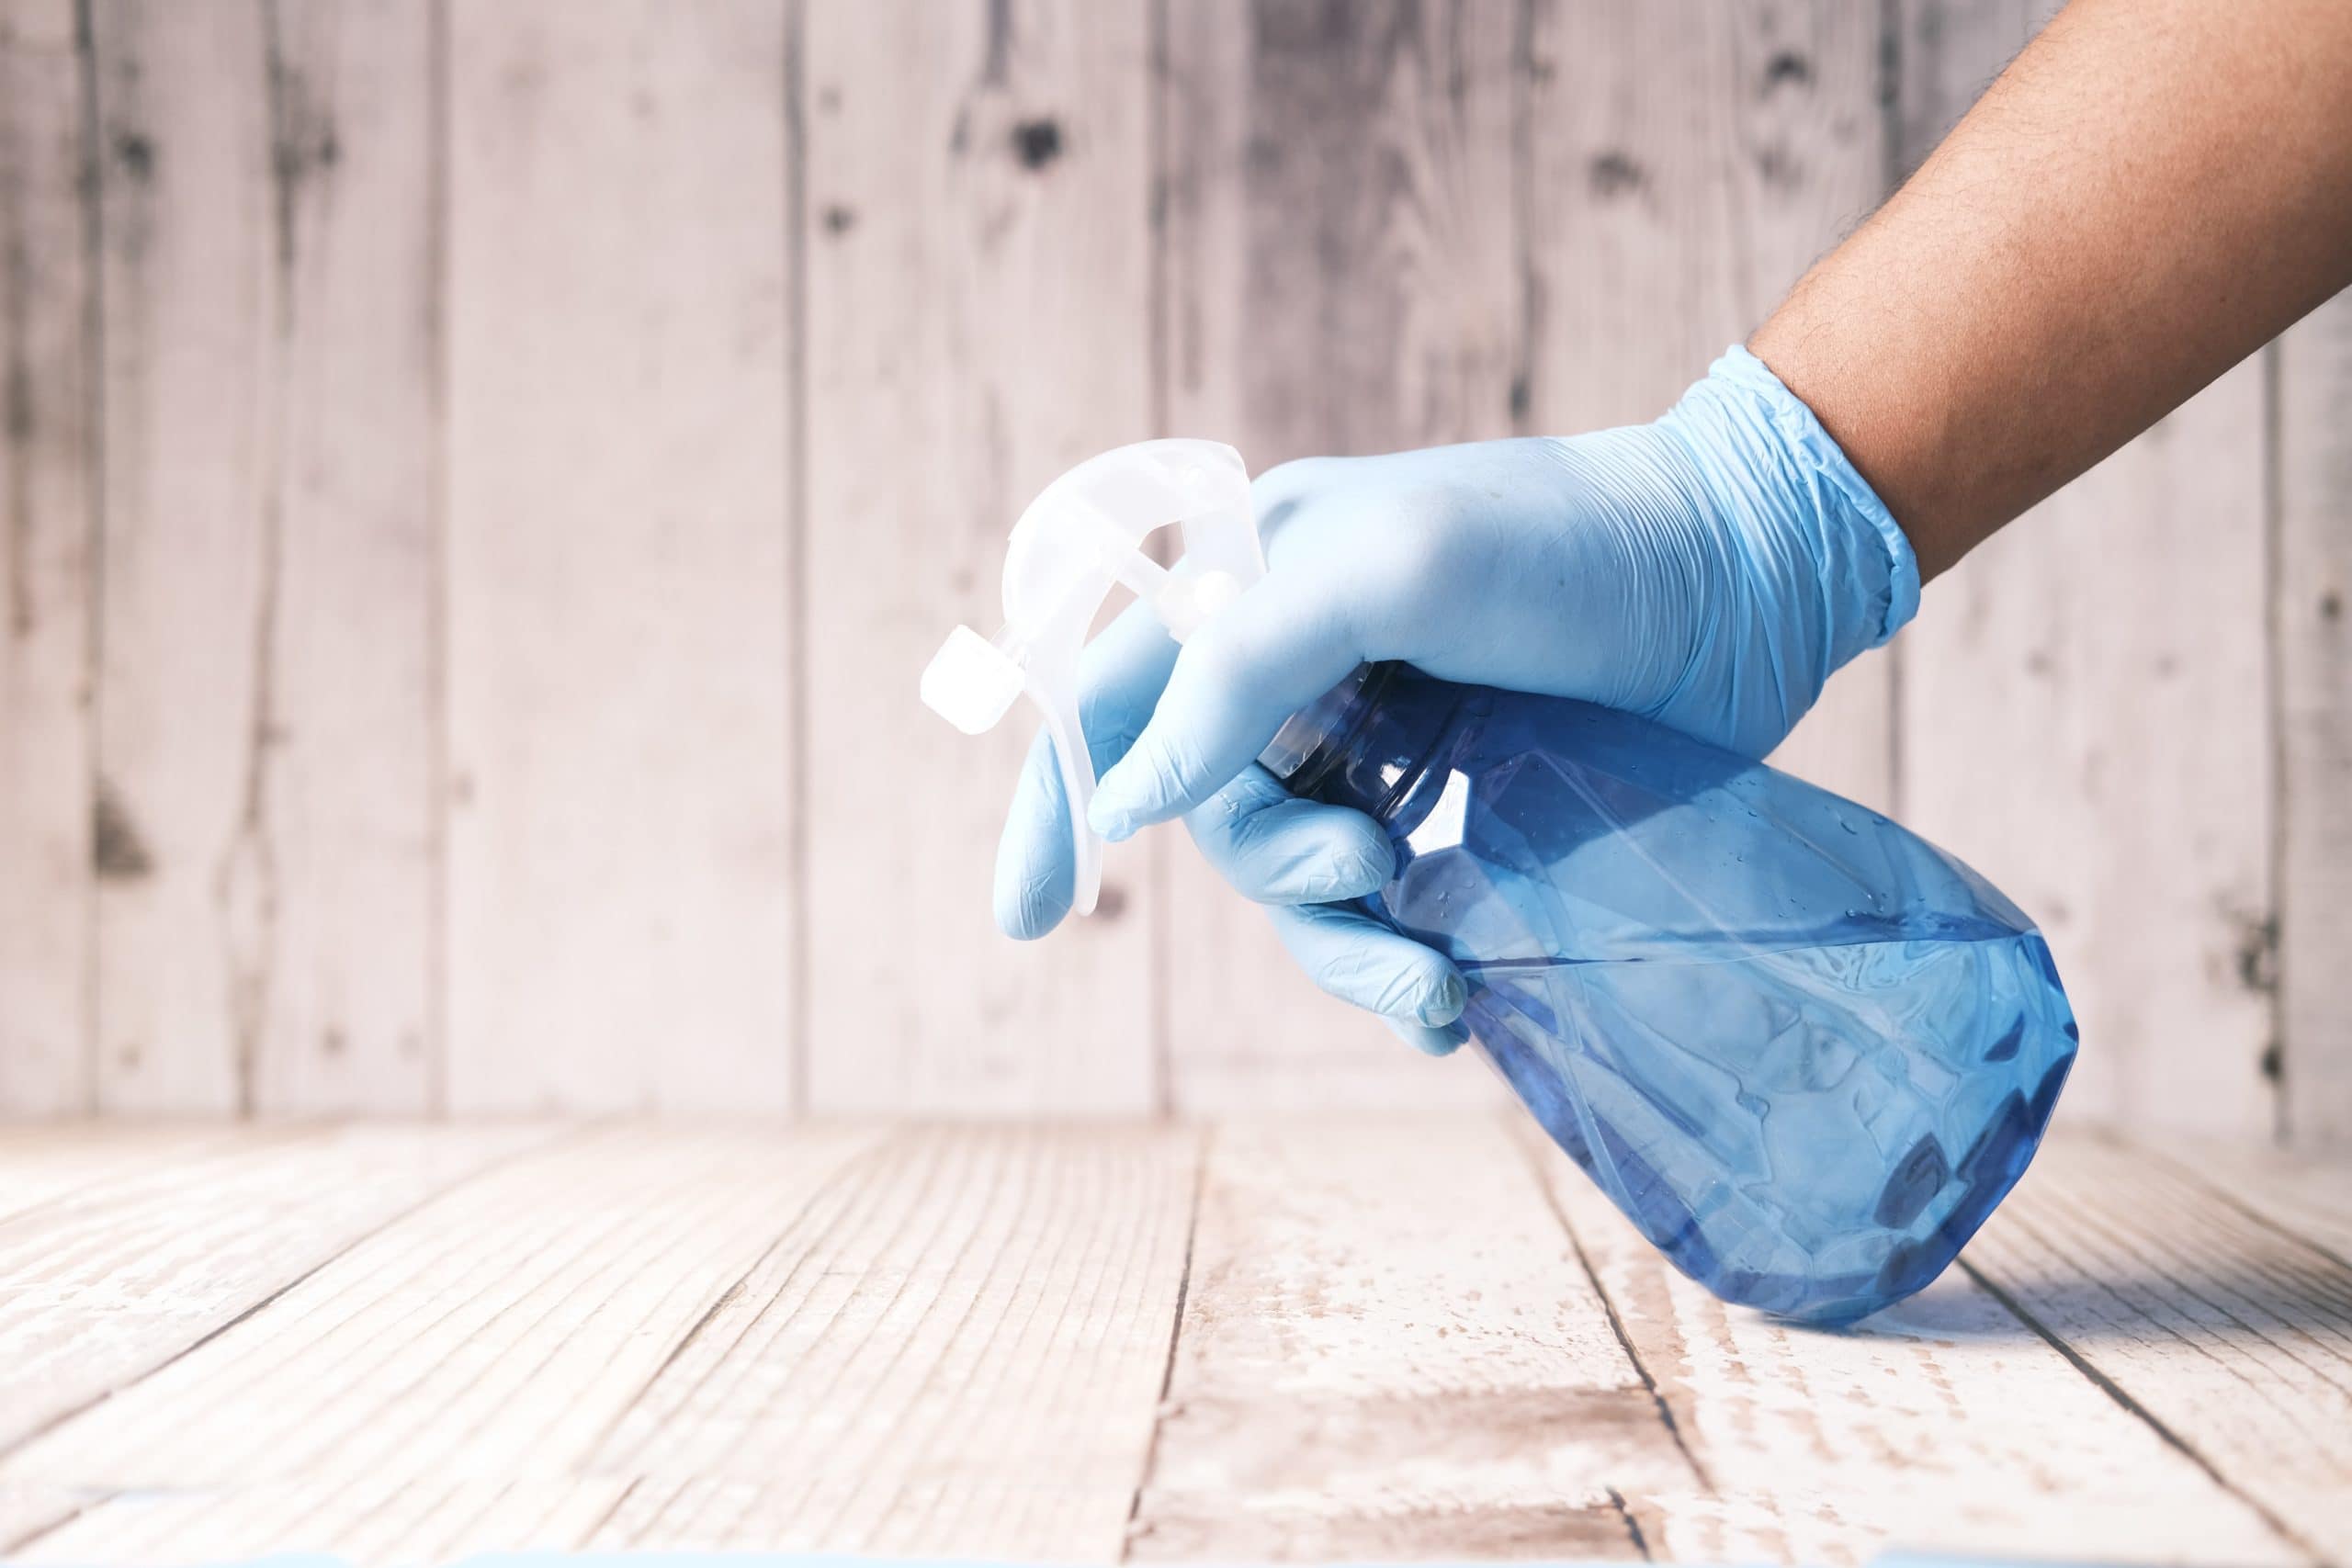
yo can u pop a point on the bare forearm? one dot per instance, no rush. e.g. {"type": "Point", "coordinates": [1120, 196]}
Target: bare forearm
{"type": "Point", "coordinates": [2152, 190]}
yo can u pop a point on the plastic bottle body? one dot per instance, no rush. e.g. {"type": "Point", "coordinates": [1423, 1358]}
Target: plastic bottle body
{"type": "Point", "coordinates": [1803, 1049]}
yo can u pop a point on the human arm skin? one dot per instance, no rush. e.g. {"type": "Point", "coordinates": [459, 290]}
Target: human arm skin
{"type": "Point", "coordinates": [2152, 190]}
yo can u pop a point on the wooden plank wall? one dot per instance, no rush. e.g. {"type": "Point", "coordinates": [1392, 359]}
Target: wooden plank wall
{"type": "Point", "coordinates": [479, 480]}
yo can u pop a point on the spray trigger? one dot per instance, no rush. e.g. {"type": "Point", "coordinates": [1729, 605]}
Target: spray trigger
{"type": "Point", "coordinates": [1083, 534]}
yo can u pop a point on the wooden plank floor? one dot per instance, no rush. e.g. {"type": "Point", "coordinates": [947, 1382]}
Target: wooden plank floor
{"type": "Point", "coordinates": [1366, 1340]}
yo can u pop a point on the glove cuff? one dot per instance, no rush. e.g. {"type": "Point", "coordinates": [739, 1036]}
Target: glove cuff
{"type": "Point", "coordinates": [1846, 501]}
{"type": "Point", "coordinates": [1865, 572]}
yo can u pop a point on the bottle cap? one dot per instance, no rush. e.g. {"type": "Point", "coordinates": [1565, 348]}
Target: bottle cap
{"type": "Point", "coordinates": [1082, 534]}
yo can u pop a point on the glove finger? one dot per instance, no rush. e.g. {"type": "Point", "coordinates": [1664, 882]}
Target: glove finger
{"type": "Point", "coordinates": [1276, 849]}
{"type": "Point", "coordinates": [1282, 644]}
{"type": "Point", "coordinates": [1358, 960]}
{"type": "Point", "coordinates": [1429, 1042]}
{"type": "Point", "coordinates": [1120, 675]}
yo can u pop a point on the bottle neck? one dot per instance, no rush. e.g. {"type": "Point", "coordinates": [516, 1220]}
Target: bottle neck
{"type": "Point", "coordinates": [1311, 739]}
{"type": "Point", "coordinates": [1366, 742]}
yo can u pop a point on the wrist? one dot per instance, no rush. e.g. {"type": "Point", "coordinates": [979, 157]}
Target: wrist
{"type": "Point", "coordinates": [1814, 540]}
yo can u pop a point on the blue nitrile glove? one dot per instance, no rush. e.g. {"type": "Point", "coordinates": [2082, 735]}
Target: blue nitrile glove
{"type": "Point", "coordinates": [1709, 570]}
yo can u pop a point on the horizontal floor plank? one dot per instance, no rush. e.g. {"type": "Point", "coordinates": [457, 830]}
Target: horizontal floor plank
{"type": "Point", "coordinates": [2306, 1194]}
{"type": "Point", "coordinates": [1389, 1351]}
{"type": "Point", "coordinates": [2230, 1334]}
{"type": "Point", "coordinates": [373, 1525]}
{"type": "Point", "coordinates": [100, 1287]}
{"type": "Point", "coordinates": [29, 1514]}
{"type": "Point", "coordinates": [1942, 1424]}
{"type": "Point", "coordinates": [43, 1161]}
{"type": "Point", "coordinates": [1400, 1338]}
{"type": "Point", "coordinates": [495, 1333]}
{"type": "Point", "coordinates": [960, 1355]}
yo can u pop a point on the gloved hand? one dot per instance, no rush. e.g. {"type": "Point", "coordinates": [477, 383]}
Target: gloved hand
{"type": "Point", "coordinates": [1709, 570]}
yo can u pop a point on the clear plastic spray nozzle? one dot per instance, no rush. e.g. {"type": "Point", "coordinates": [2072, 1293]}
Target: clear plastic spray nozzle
{"type": "Point", "coordinates": [1082, 536]}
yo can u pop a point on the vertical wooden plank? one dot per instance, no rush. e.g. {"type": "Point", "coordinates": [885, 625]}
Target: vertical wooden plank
{"type": "Point", "coordinates": [2087, 722]}
{"type": "Point", "coordinates": [47, 464]}
{"type": "Point", "coordinates": [2314, 627]}
{"type": "Point", "coordinates": [262, 818]}
{"type": "Point", "coordinates": [1389, 1351]}
{"type": "Point", "coordinates": [1686, 166]}
{"type": "Point", "coordinates": [189, 286]}
{"type": "Point", "coordinates": [1341, 275]}
{"type": "Point", "coordinates": [977, 236]}
{"type": "Point", "coordinates": [620, 619]}
{"type": "Point", "coordinates": [349, 805]}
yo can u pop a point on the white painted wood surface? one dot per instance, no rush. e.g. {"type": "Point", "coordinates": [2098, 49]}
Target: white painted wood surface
{"type": "Point", "coordinates": [101, 1286]}
{"type": "Point", "coordinates": [977, 233]}
{"type": "Point", "coordinates": [1943, 1422]}
{"type": "Point", "coordinates": [500, 1336]}
{"type": "Point", "coordinates": [262, 830]}
{"type": "Point", "coordinates": [347, 1010]}
{"type": "Point", "coordinates": [958, 1354]}
{"type": "Point", "coordinates": [468, 568]}
{"type": "Point", "coordinates": [48, 479]}
{"type": "Point", "coordinates": [2226, 1328]}
{"type": "Point", "coordinates": [1338, 1337]}
{"type": "Point", "coordinates": [2312, 609]}
{"type": "Point", "coordinates": [1389, 1351]}
{"type": "Point", "coordinates": [620, 617]}
{"type": "Point", "coordinates": [190, 442]}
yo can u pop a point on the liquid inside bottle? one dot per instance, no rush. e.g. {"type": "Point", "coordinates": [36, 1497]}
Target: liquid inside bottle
{"type": "Point", "coordinates": [1804, 1051]}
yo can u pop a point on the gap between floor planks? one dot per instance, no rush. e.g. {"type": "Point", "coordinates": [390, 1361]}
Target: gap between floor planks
{"type": "Point", "coordinates": [1258, 1318]}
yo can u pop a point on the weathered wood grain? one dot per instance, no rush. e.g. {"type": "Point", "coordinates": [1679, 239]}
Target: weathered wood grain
{"type": "Point", "coordinates": [496, 1333]}
{"type": "Point", "coordinates": [1339, 275]}
{"type": "Point", "coordinates": [2084, 721]}
{"type": "Point", "coordinates": [340, 782]}
{"type": "Point", "coordinates": [371, 1525]}
{"type": "Point", "coordinates": [956, 1355]}
{"type": "Point", "coordinates": [42, 1162]}
{"type": "Point", "coordinates": [1389, 1351]}
{"type": "Point", "coordinates": [2311, 591]}
{"type": "Point", "coordinates": [262, 837]}
{"type": "Point", "coordinates": [2228, 1332]}
{"type": "Point", "coordinates": [187, 443]}
{"type": "Point", "coordinates": [2308, 1195]}
{"type": "Point", "coordinates": [1942, 1424]}
{"type": "Point", "coordinates": [101, 1287]}
{"type": "Point", "coordinates": [1684, 168]}
{"type": "Point", "coordinates": [29, 1513]}
{"type": "Point", "coordinates": [977, 224]}
{"type": "Point", "coordinates": [619, 609]}
{"type": "Point", "coordinates": [404, 1343]}
{"type": "Point", "coordinates": [48, 468]}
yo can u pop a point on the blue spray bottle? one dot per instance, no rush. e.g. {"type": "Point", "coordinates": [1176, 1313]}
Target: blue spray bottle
{"type": "Point", "coordinates": [1803, 1049]}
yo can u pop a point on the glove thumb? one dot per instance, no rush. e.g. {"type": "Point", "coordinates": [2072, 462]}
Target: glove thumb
{"type": "Point", "coordinates": [1277, 648]}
